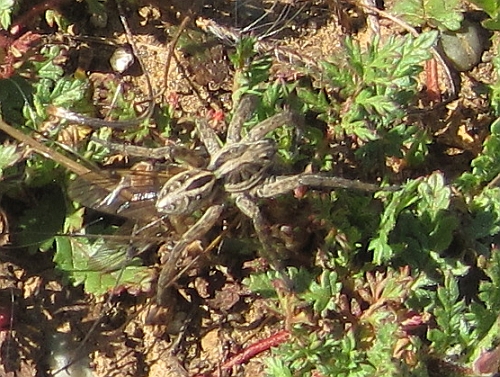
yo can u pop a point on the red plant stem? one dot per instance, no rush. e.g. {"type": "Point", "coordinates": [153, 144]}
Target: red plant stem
{"type": "Point", "coordinates": [433, 92]}
{"type": "Point", "coordinates": [252, 350]}
{"type": "Point", "coordinates": [256, 348]}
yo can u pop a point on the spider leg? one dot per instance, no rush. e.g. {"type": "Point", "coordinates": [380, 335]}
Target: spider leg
{"type": "Point", "coordinates": [172, 152]}
{"type": "Point", "coordinates": [270, 124]}
{"type": "Point", "coordinates": [243, 112]}
{"type": "Point", "coordinates": [169, 269]}
{"type": "Point", "coordinates": [252, 210]}
{"type": "Point", "coordinates": [283, 184]}
{"type": "Point", "coordinates": [208, 137]}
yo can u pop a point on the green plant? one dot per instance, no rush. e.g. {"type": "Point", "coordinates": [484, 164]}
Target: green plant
{"type": "Point", "coordinates": [417, 223]}
{"type": "Point", "coordinates": [492, 8]}
{"type": "Point", "coordinates": [338, 332]}
{"type": "Point", "coordinates": [25, 100]}
{"type": "Point", "coordinates": [495, 87]}
{"type": "Point", "coordinates": [485, 165]}
{"type": "Point", "coordinates": [366, 95]}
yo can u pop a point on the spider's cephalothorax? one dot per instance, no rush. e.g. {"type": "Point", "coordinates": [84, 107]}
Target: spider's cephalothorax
{"type": "Point", "coordinates": [239, 170]}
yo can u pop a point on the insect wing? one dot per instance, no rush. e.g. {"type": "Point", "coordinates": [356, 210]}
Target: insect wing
{"type": "Point", "coordinates": [132, 195]}
{"type": "Point", "coordinates": [99, 267]}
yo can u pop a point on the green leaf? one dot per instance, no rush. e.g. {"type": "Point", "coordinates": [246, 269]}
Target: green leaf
{"type": "Point", "coordinates": [492, 8]}
{"type": "Point", "coordinates": [380, 354]}
{"type": "Point", "coordinates": [434, 196]}
{"type": "Point", "coordinates": [52, 88]}
{"type": "Point", "coordinates": [453, 332]}
{"type": "Point", "coordinates": [448, 295]}
{"type": "Point", "coordinates": [9, 155]}
{"type": "Point", "coordinates": [418, 220]}
{"type": "Point", "coordinates": [489, 291]}
{"type": "Point", "coordinates": [398, 201]}
{"type": "Point", "coordinates": [382, 251]}
{"type": "Point", "coordinates": [487, 164]}
{"type": "Point", "coordinates": [375, 103]}
{"type": "Point", "coordinates": [442, 235]}
{"type": "Point", "coordinates": [369, 90]}
{"type": "Point", "coordinates": [75, 258]}
{"type": "Point", "coordinates": [487, 339]}
{"type": "Point", "coordinates": [67, 91]}
{"type": "Point", "coordinates": [6, 9]}
{"type": "Point", "coordinates": [324, 295]}
{"type": "Point", "coordinates": [47, 69]}
{"type": "Point", "coordinates": [485, 214]}
{"type": "Point", "coordinates": [442, 14]}
{"type": "Point", "coordinates": [493, 24]}
{"type": "Point", "coordinates": [262, 284]}
{"type": "Point", "coordinates": [317, 101]}
{"type": "Point", "coordinates": [276, 367]}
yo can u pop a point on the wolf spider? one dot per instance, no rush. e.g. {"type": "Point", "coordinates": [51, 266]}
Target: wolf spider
{"type": "Point", "coordinates": [241, 171]}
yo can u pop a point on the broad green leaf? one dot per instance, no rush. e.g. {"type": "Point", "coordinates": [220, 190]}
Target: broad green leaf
{"type": "Point", "coordinates": [46, 68]}
{"type": "Point", "coordinates": [442, 235]}
{"type": "Point", "coordinates": [68, 91]}
{"type": "Point", "coordinates": [442, 14]}
{"type": "Point", "coordinates": [434, 194]}
{"type": "Point", "coordinates": [74, 257]}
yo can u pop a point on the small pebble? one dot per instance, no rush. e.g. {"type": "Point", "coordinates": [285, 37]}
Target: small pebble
{"type": "Point", "coordinates": [464, 47]}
